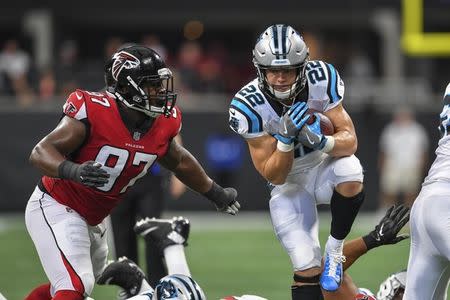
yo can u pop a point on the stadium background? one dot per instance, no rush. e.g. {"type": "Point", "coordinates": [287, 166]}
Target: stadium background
{"type": "Point", "coordinates": [362, 39]}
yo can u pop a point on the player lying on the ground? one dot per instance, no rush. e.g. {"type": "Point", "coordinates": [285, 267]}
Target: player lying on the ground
{"type": "Point", "coordinates": [171, 235]}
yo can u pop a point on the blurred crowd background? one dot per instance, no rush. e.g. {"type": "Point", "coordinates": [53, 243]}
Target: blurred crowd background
{"type": "Point", "coordinates": [48, 51]}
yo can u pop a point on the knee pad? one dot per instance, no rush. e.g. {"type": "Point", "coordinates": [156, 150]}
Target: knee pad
{"type": "Point", "coordinates": [68, 295]}
{"type": "Point", "coordinates": [305, 256]}
{"type": "Point", "coordinates": [348, 169]}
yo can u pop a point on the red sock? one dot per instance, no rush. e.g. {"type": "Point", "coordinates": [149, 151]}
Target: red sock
{"type": "Point", "coordinates": [42, 292]}
{"type": "Point", "coordinates": [67, 295]}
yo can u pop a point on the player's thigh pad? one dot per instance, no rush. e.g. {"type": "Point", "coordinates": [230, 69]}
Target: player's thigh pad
{"type": "Point", "coordinates": [294, 218]}
{"type": "Point", "coordinates": [429, 268]}
{"type": "Point", "coordinates": [99, 247]}
{"type": "Point", "coordinates": [334, 171]}
{"type": "Point", "coordinates": [62, 241]}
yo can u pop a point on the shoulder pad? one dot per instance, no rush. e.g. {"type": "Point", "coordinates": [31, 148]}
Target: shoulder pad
{"type": "Point", "coordinates": [324, 84]}
{"type": "Point", "coordinates": [75, 106]}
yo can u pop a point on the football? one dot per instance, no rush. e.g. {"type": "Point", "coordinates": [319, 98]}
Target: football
{"type": "Point", "coordinates": [325, 123]}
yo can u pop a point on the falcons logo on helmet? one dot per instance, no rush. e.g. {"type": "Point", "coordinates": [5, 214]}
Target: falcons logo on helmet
{"type": "Point", "coordinates": [123, 60]}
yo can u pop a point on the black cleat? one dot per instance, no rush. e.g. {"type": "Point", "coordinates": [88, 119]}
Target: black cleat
{"type": "Point", "coordinates": [125, 274]}
{"type": "Point", "coordinates": [164, 233]}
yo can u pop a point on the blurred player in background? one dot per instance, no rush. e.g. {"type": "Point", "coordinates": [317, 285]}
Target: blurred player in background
{"type": "Point", "coordinates": [172, 234]}
{"type": "Point", "coordinates": [102, 145]}
{"type": "Point", "coordinates": [401, 171]}
{"type": "Point", "coordinates": [428, 274]}
{"type": "Point", "coordinates": [303, 166]}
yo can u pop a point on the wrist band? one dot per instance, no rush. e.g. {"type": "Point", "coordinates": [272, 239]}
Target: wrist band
{"type": "Point", "coordinates": [285, 147]}
{"type": "Point", "coordinates": [214, 192]}
{"type": "Point", "coordinates": [329, 144]}
{"type": "Point", "coordinates": [370, 242]}
{"type": "Point", "coordinates": [67, 170]}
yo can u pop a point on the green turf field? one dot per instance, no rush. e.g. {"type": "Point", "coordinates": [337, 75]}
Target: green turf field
{"type": "Point", "coordinates": [224, 262]}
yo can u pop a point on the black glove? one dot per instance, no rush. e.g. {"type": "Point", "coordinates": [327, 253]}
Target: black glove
{"type": "Point", "coordinates": [88, 173]}
{"type": "Point", "coordinates": [224, 199]}
{"type": "Point", "coordinates": [386, 231]}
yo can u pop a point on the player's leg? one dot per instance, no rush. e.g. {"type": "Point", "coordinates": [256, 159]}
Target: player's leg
{"type": "Point", "coordinates": [99, 248]}
{"type": "Point", "coordinates": [122, 220]}
{"type": "Point", "coordinates": [170, 238]}
{"type": "Point", "coordinates": [151, 204]}
{"type": "Point", "coordinates": [294, 218]}
{"type": "Point", "coordinates": [340, 181]}
{"type": "Point", "coordinates": [347, 290]}
{"type": "Point", "coordinates": [61, 239]}
{"type": "Point", "coordinates": [428, 272]}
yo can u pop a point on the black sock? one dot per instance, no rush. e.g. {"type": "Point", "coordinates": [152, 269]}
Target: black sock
{"type": "Point", "coordinates": [306, 292]}
{"type": "Point", "coordinates": [343, 213]}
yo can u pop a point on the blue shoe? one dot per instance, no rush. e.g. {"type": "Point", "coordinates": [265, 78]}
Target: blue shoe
{"type": "Point", "coordinates": [332, 273]}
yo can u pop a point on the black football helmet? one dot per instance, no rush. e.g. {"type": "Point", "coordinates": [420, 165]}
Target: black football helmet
{"type": "Point", "coordinates": [133, 69]}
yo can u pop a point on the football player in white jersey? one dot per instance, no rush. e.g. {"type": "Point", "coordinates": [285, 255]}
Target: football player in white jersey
{"type": "Point", "coordinates": [428, 273]}
{"type": "Point", "coordinates": [303, 166]}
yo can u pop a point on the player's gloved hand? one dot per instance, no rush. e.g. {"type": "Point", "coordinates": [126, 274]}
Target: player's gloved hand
{"type": "Point", "coordinates": [88, 173]}
{"type": "Point", "coordinates": [311, 135]}
{"type": "Point", "coordinates": [291, 123]}
{"type": "Point", "coordinates": [386, 231]}
{"type": "Point", "coordinates": [224, 199]}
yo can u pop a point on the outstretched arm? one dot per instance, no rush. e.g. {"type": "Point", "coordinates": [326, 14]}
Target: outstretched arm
{"type": "Point", "coordinates": [186, 168]}
{"type": "Point", "coordinates": [385, 233]}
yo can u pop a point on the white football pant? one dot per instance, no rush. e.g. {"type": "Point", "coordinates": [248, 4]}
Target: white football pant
{"type": "Point", "coordinates": [293, 207]}
{"type": "Point", "coordinates": [428, 272]}
{"type": "Point", "coordinates": [72, 253]}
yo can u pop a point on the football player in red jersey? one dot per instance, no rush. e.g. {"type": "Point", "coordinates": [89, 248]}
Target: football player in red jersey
{"type": "Point", "coordinates": [104, 143]}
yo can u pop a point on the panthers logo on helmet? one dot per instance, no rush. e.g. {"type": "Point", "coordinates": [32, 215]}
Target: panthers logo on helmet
{"type": "Point", "coordinates": [122, 60]}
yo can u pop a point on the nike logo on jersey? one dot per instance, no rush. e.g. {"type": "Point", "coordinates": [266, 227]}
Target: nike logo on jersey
{"type": "Point", "coordinates": [78, 96]}
{"type": "Point", "coordinates": [232, 112]}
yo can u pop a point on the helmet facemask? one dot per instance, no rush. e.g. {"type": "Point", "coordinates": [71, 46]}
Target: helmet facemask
{"type": "Point", "coordinates": [275, 92]}
{"type": "Point", "coordinates": [135, 94]}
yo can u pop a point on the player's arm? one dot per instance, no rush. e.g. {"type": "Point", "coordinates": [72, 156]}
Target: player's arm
{"type": "Point", "coordinates": [273, 156]}
{"type": "Point", "coordinates": [345, 141]}
{"type": "Point", "coordinates": [186, 168]}
{"type": "Point", "coordinates": [49, 155]}
{"type": "Point", "coordinates": [271, 162]}
{"type": "Point", "coordinates": [385, 233]}
{"type": "Point", "coordinates": [50, 152]}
